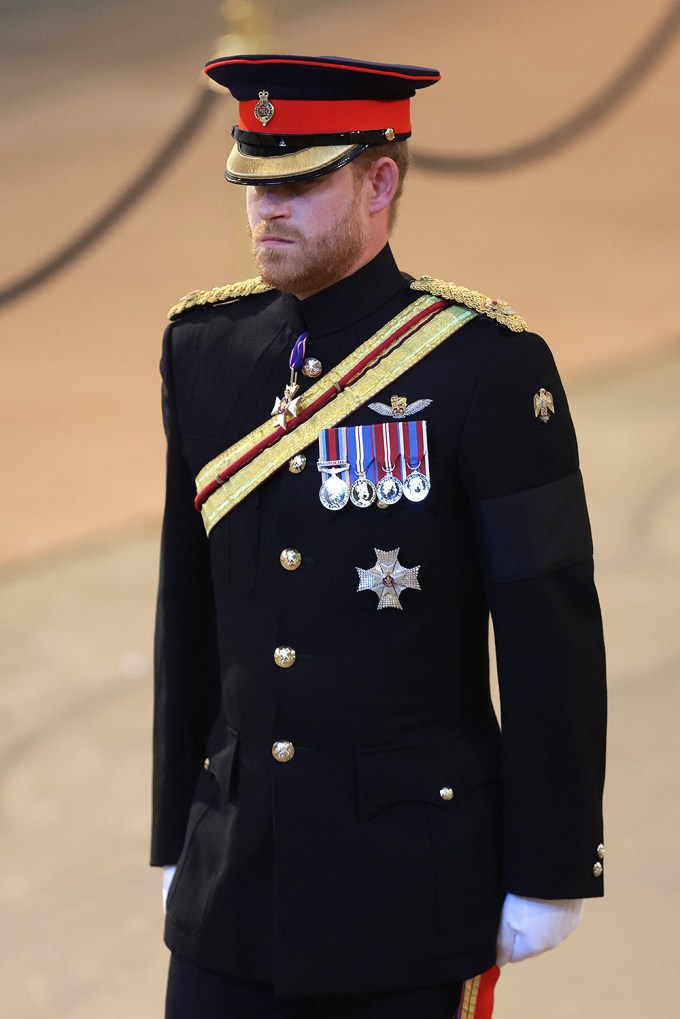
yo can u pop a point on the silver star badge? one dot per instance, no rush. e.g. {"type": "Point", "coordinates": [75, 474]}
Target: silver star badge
{"type": "Point", "coordinates": [388, 578]}
{"type": "Point", "coordinates": [285, 407]}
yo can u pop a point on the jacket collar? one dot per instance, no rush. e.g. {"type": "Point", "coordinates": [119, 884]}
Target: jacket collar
{"type": "Point", "coordinates": [343, 304]}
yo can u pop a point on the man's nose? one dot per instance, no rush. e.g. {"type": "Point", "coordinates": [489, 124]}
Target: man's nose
{"type": "Point", "coordinates": [273, 202]}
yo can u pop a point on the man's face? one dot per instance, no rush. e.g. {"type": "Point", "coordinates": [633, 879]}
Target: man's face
{"type": "Point", "coordinates": [307, 235]}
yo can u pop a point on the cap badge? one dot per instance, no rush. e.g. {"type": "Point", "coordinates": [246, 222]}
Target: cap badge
{"type": "Point", "coordinates": [264, 110]}
{"type": "Point", "coordinates": [543, 405]}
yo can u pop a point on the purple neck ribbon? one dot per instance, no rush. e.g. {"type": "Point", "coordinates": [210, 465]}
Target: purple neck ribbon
{"type": "Point", "coordinates": [297, 354]}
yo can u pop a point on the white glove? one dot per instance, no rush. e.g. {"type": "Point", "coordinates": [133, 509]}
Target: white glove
{"type": "Point", "coordinates": [168, 875]}
{"type": "Point", "coordinates": [531, 926]}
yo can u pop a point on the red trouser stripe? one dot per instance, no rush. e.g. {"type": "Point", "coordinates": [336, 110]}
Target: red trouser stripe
{"type": "Point", "coordinates": [476, 999]}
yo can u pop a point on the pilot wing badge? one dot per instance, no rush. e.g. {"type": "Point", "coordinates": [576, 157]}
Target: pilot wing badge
{"type": "Point", "coordinates": [398, 408]}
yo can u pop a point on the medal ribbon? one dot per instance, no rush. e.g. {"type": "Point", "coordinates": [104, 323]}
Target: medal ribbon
{"type": "Point", "coordinates": [415, 448]}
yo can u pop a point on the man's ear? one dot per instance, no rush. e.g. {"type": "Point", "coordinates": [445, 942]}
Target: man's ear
{"type": "Point", "coordinates": [382, 180]}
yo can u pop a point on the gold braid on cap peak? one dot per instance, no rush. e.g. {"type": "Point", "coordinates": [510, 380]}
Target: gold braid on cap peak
{"type": "Point", "coordinates": [218, 295]}
{"type": "Point", "coordinates": [498, 310]}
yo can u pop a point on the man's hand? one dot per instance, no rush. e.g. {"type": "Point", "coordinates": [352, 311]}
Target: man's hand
{"type": "Point", "coordinates": [168, 875]}
{"type": "Point", "coordinates": [531, 926]}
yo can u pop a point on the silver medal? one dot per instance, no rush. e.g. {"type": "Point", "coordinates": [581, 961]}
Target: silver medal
{"type": "Point", "coordinates": [389, 490]}
{"type": "Point", "coordinates": [416, 487]}
{"type": "Point", "coordinates": [362, 493]}
{"type": "Point", "coordinates": [334, 493]}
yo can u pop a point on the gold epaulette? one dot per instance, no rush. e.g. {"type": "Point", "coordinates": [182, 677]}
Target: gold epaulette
{"type": "Point", "coordinates": [498, 310]}
{"type": "Point", "coordinates": [218, 295]}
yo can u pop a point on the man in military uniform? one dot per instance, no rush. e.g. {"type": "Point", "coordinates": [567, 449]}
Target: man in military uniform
{"type": "Point", "coordinates": [379, 463]}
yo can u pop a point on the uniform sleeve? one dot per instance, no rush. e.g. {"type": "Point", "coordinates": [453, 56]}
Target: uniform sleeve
{"type": "Point", "coordinates": [523, 483]}
{"type": "Point", "coordinates": [186, 664]}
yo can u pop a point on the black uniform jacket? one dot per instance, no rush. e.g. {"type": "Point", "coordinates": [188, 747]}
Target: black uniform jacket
{"type": "Point", "coordinates": [344, 869]}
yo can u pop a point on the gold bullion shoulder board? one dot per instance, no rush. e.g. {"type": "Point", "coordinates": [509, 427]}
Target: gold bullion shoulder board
{"type": "Point", "coordinates": [498, 310]}
{"type": "Point", "coordinates": [219, 295]}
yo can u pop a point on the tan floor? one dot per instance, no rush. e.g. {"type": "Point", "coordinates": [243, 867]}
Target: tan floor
{"type": "Point", "coordinates": [584, 245]}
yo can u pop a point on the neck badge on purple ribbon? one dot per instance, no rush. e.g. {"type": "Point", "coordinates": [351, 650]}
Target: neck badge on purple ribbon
{"type": "Point", "coordinates": [285, 407]}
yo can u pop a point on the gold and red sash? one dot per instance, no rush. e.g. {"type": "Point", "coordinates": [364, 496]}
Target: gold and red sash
{"type": "Point", "coordinates": [404, 341]}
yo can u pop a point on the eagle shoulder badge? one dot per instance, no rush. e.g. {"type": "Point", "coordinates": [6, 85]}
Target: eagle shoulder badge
{"type": "Point", "coordinates": [543, 405]}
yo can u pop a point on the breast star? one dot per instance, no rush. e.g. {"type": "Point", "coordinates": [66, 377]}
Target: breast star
{"type": "Point", "coordinates": [388, 578]}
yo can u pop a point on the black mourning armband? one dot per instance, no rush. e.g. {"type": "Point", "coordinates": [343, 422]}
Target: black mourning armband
{"type": "Point", "coordinates": [534, 532]}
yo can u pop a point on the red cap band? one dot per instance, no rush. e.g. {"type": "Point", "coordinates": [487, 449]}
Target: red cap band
{"type": "Point", "coordinates": [328, 116]}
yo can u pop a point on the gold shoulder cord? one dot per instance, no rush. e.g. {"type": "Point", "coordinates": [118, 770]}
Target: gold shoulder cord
{"type": "Point", "coordinates": [498, 310]}
{"type": "Point", "coordinates": [219, 295]}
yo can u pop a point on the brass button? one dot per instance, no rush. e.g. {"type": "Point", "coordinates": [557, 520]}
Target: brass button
{"type": "Point", "coordinates": [284, 657]}
{"type": "Point", "coordinates": [206, 764]}
{"type": "Point", "coordinates": [600, 851]}
{"type": "Point", "coordinates": [312, 367]}
{"type": "Point", "coordinates": [297, 463]}
{"type": "Point", "coordinates": [446, 792]}
{"type": "Point", "coordinates": [283, 751]}
{"type": "Point", "coordinates": [597, 869]}
{"type": "Point", "coordinates": [290, 559]}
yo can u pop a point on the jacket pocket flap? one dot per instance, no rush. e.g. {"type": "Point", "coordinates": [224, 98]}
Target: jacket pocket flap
{"type": "Point", "coordinates": [436, 773]}
{"type": "Point", "coordinates": [221, 763]}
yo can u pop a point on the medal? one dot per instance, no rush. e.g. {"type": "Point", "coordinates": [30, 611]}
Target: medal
{"type": "Point", "coordinates": [416, 486]}
{"type": "Point", "coordinates": [334, 491]}
{"type": "Point", "coordinates": [362, 492]}
{"type": "Point", "coordinates": [389, 489]}
{"type": "Point", "coordinates": [413, 448]}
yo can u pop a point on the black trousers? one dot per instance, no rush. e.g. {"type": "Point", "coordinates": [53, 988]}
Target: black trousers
{"type": "Point", "coordinates": [195, 993]}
